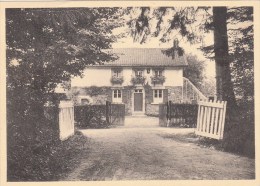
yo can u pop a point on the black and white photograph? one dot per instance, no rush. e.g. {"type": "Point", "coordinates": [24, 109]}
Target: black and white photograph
{"type": "Point", "coordinates": [129, 92]}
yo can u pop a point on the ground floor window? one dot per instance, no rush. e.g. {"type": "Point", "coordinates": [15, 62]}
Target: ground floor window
{"type": "Point", "coordinates": [117, 96]}
{"type": "Point", "coordinates": [158, 96]}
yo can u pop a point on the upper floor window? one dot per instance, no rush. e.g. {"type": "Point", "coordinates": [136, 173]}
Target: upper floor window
{"type": "Point", "coordinates": [158, 72]}
{"type": "Point", "coordinates": [117, 72]}
{"type": "Point", "coordinates": [139, 73]}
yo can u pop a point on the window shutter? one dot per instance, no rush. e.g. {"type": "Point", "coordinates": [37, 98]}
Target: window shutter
{"type": "Point", "coordinates": [165, 95]}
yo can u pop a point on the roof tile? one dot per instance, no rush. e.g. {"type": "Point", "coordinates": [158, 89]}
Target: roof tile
{"type": "Point", "coordinates": [144, 57]}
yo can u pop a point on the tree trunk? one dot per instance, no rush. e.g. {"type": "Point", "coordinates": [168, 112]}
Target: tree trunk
{"type": "Point", "coordinates": [223, 73]}
{"type": "Point", "coordinates": [225, 89]}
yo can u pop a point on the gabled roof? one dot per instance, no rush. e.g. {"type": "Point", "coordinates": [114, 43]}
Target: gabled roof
{"type": "Point", "coordinates": [142, 57]}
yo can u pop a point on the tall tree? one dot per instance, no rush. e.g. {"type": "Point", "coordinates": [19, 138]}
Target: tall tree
{"type": "Point", "coordinates": [190, 22]}
{"type": "Point", "coordinates": [46, 47]}
{"type": "Point", "coordinates": [225, 89]}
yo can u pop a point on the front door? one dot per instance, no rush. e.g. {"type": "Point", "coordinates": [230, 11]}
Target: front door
{"type": "Point", "coordinates": [138, 100]}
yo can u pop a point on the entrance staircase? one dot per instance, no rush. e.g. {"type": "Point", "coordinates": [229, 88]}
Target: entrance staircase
{"type": "Point", "coordinates": [190, 92]}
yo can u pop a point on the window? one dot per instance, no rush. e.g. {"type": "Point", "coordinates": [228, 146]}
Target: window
{"type": "Point", "coordinates": [138, 73]}
{"type": "Point", "coordinates": [158, 96]}
{"type": "Point", "coordinates": [84, 101]}
{"type": "Point", "coordinates": [117, 72]}
{"type": "Point", "coordinates": [158, 72]}
{"type": "Point", "coordinates": [117, 96]}
{"type": "Point", "coordinates": [138, 91]}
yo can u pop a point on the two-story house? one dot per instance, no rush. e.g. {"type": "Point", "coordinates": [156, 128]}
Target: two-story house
{"type": "Point", "coordinates": [141, 78]}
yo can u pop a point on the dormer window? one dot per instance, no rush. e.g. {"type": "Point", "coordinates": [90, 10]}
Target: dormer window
{"type": "Point", "coordinates": [117, 77]}
{"type": "Point", "coordinates": [139, 73]}
{"type": "Point", "coordinates": [158, 77]}
{"type": "Point", "coordinates": [158, 73]}
{"type": "Point", "coordinates": [138, 76]}
{"type": "Point", "coordinates": [117, 72]}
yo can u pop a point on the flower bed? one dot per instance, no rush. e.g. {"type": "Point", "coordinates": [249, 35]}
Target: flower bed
{"type": "Point", "coordinates": [138, 80]}
{"type": "Point", "coordinates": [117, 80]}
{"type": "Point", "coordinates": [157, 79]}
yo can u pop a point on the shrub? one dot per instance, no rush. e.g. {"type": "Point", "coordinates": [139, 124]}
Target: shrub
{"type": "Point", "coordinates": [91, 116]}
{"type": "Point", "coordinates": [239, 137]}
{"type": "Point", "coordinates": [41, 161]}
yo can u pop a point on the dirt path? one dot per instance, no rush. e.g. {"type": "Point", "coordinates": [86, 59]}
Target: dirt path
{"type": "Point", "coordinates": [147, 152]}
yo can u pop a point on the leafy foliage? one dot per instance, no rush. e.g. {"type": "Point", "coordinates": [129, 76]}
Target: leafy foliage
{"type": "Point", "coordinates": [117, 80]}
{"type": "Point", "coordinates": [138, 80]}
{"type": "Point", "coordinates": [45, 163]}
{"type": "Point", "coordinates": [48, 48]}
{"type": "Point", "coordinates": [171, 51]}
{"type": "Point", "coordinates": [91, 116]}
{"type": "Point", "coordinates": [232, 51]}
{"type": "Point", "coordinates": [195, 70]}
{"type": "Point", "coordinates": [158, 79]}
{"type": "Point", "coordinates": [242, 51]}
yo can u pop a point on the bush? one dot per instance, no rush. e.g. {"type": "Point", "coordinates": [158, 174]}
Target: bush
{"type": "Point", "coordinates": [43, 162]}
{"type": "Point", "coordinates": [91, 116]}
{"type": "Point", "coordinates": [240, 137]}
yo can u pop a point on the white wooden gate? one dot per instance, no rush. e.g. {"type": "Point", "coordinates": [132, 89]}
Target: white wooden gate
{"type": "Point", "coordinates": [211, 119]}
{"type": "Point", "coordinates": [66, 119]}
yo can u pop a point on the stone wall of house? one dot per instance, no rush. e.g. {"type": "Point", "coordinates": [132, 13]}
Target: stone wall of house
{"type": "Point", "coordinates": [127, 99]}
{"type": "Point", "coordinates": [98, 95]}
{"type": "Point", "coordinates": [174, 94]}
{"type": "Point", "coordinates": [152, 109]}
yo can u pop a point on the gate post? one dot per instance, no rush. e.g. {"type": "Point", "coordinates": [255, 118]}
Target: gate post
{"type": "Point", "coordinates": [107, 112]}
{"type": "Point", "coordinates": [169, 105]}
{"type": "Point", "coordinates": [66, 119]}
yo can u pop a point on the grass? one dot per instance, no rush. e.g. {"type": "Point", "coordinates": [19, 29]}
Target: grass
{"type": "Point", "coordinates": [242, 147]}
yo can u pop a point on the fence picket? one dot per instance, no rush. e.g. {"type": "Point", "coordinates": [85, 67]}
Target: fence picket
{"type": "Point", "coordinates": [220, 120]}
{"type": "Point", "coordinates": [223, 120]}
{"type": "Point", "coordinates": [208, 119]}
{"type": "Point", "coordinates": [211, 119]}
{"type": "Point", "coordinates": [216, 121]}
{"type": "Point", "coordinates": [204, 119]}
{"type": "Point", "coordinates": [198, 118]}
{"type": "Point", "coordinates": [201, 117]}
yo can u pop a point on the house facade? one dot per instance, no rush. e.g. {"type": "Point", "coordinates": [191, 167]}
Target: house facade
{"type": "Point", "coordinates": [141, 78]}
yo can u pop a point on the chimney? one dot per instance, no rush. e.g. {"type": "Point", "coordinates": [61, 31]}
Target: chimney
{"type": "Point", "coordinates": [176, 48]}
{"type": "Point", "coordinates": [176, 43]}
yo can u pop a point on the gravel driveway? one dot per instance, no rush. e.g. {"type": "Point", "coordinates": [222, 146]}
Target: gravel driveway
{"type": "Point", "coordinates": [143, 151]}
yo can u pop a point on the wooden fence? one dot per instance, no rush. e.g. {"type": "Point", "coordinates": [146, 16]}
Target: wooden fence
{"type": "Point", "coordinates": [66, 119]}
{"type": "Point", "coordinates": [211, 119]}
{"type": "Point", "coordinates": [99, 116]}
{"type": "Point", "coordinates": [115, 113]}
{"type": "Point", "coordinates": [178, 114]}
